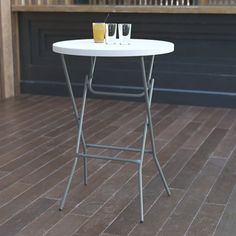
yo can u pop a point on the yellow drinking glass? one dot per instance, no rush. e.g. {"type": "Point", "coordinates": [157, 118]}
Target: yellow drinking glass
{"type": "Point", "coordinates": [99, 32]}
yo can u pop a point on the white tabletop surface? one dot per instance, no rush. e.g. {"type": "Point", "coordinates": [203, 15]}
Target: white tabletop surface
{"type": "Point", "coordinates": [137, 47]}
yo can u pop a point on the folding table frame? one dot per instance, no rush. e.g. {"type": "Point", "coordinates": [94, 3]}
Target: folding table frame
{"type": "Point", "coordinates": [147, 93]}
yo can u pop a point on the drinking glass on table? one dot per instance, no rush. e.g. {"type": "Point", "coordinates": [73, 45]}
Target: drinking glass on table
{"type": "Point", "coordinates": [111, 29]}
{"type": "Point", "coordinates": [124, 33]}
{"type": "Point", "coordinates": [99, 32]}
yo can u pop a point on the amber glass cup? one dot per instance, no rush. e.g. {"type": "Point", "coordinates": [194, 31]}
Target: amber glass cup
{"type": "Point", "coordinates": [99, 32]}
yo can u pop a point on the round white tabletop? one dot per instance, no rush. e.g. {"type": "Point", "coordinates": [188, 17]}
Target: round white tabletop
{"type": "Point", "coordinates": [137, 47]}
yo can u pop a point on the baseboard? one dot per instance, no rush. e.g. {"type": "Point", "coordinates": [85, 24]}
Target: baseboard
{"type": "Point", "coordinates": [162, 95]}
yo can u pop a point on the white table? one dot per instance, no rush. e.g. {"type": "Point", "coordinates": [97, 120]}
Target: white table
{"type": "Point", "coordinates": [137, 48]}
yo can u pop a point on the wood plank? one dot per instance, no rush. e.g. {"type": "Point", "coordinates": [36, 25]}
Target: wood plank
{"type": "Point", "coordinates": [25, 114]}
{"type": "Point", "coordinates": [46, 220]}
{"type": "Point", "coordinates": [113, 207]}
{"type": "Point", "coordinates": [98, 173]}
{"type": "Point", "coordinates": [67, 226]}
{"type": "Point", "coordinates": [108, 166]}
{"type": "Point", "coordinates": [43, 154]}
{"type": "Point", "coordinates": [206, 220]}
{"type": "Point", "coordinates": [173, 129]}
{"type": "Point", "coordinates": [227, 224]}
{"type": "Point", "coordinates": [20, 149]}
{"type": "Point", "coordinates": [9, 159]}
{"type": "Point", "coordinates": [229, 120]}
{"type": "Point", "coordinates": [3, 173]}
{"type": "Point", "coordinates": [12, 191]}
{"type": "Point", "coordinates": [224, 186]}
{"type": "Point", "coordinates": [199, 159]}
{"type": "Point", "coordinates": [209, 118]}
{"type": "Point", "coordinates": [129, 217]}
{"type": "Point", "coordinates": [109, 204]}
{"type": "Point", "coordinates": [16, 223]}
{"type": "Point", "coordinates": [20, 106]}
{"type": "Point", "coordinates": [227, 145]}
{"type": "Point", "coordinates": [170, 149]}
{"type": "Point", "coordinates": [157, 215]}
{"type": "Point", "coordinates": [179, 220]}
{"type": "Point", "coordinates": [106, 191]}
{"type": "Point", "coordinates": [92, 232]}
{"type": "Point", "coordinates": [26, 198]}
{"type": "Point", "coordinates": [216, 117]}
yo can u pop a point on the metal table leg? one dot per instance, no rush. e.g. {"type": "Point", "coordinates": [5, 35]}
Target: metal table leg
{"type": "Point", "coordinates": [79, 122]}
{"type": "Point", "coordinates": [140, 178]}
{"type": "Point", "coordinates": [151, 126]}
{"type": "Point", "coordinates": [148, 84]}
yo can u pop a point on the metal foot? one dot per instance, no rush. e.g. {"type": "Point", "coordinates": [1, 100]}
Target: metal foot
{"type": "Point", "coordinates": [140, 180]}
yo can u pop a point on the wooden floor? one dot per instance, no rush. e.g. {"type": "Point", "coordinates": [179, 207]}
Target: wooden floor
{"type": "Point", "coordinates": [196, 148]}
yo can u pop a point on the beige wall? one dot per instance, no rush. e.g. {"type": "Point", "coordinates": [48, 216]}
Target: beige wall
{"type": "Point", "coordinates": [6, 51]}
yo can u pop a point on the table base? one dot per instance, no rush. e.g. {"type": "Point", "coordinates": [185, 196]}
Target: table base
{"type": "Point", "coordinates": [148, 84]}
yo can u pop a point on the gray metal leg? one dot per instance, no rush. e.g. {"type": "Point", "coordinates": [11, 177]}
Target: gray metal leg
{"type": "Point", "coordinates": [148, 111]}
{"type": "Point", "coordinates": [76, 113]}
{"type": "Point", "coordinates": [75, 110]}
{"type": "Point", "coordinates": [80, 133]}
{"type": "Point", "coordinates": [85, 170]}
{"type": "Point", "coordinates": [142, 156]}
{"type": "Point", "coordinates": [148, 91]}
{"type": "Point", "coordinates": [140, 184]}
{"type": "Point", "coordinates": [68, 183]}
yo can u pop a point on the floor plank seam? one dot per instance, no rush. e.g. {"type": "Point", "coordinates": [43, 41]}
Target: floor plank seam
{"type": "Point", "coordinates": [186, 191]}
{"type": "Point", "coordinates": [93, 193]}
{"type": "Point", "coordinates": [44, 143]}
{"type": "Point", "coordinates": [222, 215]}
{"type": "Point", "coordinates": [153, 176]}
{"type": "Point", "coordinates": [227, 201]}
{"type": "Point", "coordinates": [46, 174]}
{"type": "Point", "coordinates": [35, 219]}
{"type": "Point", "coordinates": [204, 201]}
